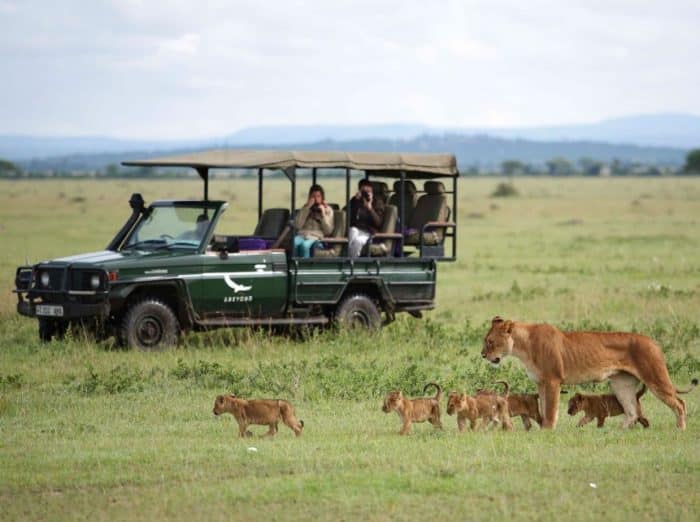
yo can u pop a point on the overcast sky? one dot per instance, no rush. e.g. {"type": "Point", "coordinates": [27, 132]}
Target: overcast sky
{"type": "Point", "coordinates": [188, 69]}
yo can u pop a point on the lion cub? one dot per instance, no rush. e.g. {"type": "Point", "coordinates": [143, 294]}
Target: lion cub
{"type": "Point", "coordinates": [601, 406]}
{"type": "Point", "coordinates": [414, 410]}
{"type": "Point", "coordinates": [266, 412]}
{"type": "Point", "coordinates": [492, 408]}
{"type": "Point", "coordinates": [523, 405]}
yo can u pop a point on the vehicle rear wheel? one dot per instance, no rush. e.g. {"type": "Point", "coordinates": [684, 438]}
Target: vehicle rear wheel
{"type": "Point", "coordinates": [150, 325]}
{"type": "Point", "coordinates": [358, 311]}
{"type": "Point", "coordinates": [50, 328]}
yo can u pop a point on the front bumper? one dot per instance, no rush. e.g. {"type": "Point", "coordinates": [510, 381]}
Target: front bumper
{"type": "Point", "coordinates": [62, 303]}
{"type": "Point", "coordinates": [70, 310]}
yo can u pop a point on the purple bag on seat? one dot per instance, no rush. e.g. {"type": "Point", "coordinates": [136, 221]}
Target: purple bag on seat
{"type": "Point", "coordinates": [252, 243]}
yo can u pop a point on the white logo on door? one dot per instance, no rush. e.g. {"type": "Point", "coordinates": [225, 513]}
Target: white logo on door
{"type": "Point", "coordinates": [235, 286]}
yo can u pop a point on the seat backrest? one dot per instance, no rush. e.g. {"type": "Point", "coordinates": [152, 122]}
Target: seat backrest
{"type": "Point", "coordinates": [385, 247]}
{"type": "Point", "coordinates": [272, 222]}
{"type": "Point", "coordinates": [333, 250]}
{"type": "Point", "coordinates": [410, 197]}
{"type": "Point", "coordinates": [431, 206]}
{"type": "Point", "coordinates": [380, 191]}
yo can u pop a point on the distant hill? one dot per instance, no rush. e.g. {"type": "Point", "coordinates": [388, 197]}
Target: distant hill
{"type": "Point", "coordinates": [677, 131]}
{"type": "Point", "coordinates": [481, 151]}
{"type": "Point", "coordinates": [661, 130]}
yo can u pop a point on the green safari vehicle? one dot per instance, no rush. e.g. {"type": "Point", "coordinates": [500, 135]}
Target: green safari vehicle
{"type": "Point", "coordinates": [167, 271]}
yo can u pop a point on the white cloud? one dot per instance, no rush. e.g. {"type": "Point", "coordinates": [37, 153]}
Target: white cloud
{"type": "Point", "coordinates": [181, 68]}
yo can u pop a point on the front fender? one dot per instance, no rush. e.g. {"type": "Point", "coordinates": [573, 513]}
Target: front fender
{"type": "Point", "coordinates": [121, 295]}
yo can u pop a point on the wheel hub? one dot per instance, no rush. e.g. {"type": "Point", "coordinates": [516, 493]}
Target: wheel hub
{"type": "Point", "coordinates": [149, 331]}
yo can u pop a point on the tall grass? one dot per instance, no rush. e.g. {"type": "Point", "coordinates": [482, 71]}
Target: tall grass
{"type": "Point", "coordinates": [91, 431]}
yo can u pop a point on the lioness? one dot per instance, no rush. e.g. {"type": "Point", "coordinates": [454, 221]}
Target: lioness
{"type": "Point", "coordinates": [490, 407]}
{"type": "Point", "coordinates": [523, 405]}
{"type": "Point", "coordinates": [552, 358]}
{"type": "Point", "coordinates": [601, 406]}
{"type": "Point", "coordinates": [267, 412]}
{"type": "Point", "coordinates": [414, 410]}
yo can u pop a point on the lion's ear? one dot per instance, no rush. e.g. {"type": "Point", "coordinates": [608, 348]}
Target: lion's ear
{"type": "Point", "coordinates": [496, 320]}
{"type": "Point", "coordinates": [509, 326]}
{"type": "Point", "coordinates": [232, 395]}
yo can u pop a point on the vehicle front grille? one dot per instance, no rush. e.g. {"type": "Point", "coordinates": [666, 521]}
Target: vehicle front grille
{"type": "Point", "coordinates": [80, 280]}
{"type": "Point", "coordinates": [56, 278]}
{"type": "Point", "coordinates": [23, 279]}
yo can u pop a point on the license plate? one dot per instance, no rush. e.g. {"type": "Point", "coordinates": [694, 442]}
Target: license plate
{"type": "Point", "coordinates": [49, 310]}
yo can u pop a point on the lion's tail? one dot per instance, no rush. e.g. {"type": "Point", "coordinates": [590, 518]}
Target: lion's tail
{"type": "Point", "coordinates": [506, 387]}
{"type": "Point", "coordinates": [641, 391]}
{"type": "Point", "coordinates": [693, 384]}
{"type": "Point", "coordinates": [438, 395]}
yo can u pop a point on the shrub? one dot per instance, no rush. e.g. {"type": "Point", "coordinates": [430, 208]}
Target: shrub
{"type": "Point", "coordinates": [505, 190]}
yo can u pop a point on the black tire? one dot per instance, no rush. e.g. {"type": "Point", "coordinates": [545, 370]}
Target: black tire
{"type": "Point", "coordinates": [50, 328]}
{"type": "Point", "coordinates": [150, 325]}
{"type": "Point", "coordinates": [358, 311]}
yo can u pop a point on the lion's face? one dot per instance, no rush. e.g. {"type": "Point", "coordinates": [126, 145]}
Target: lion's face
{"type": "Point", "coordinates": [456, 402]}
{"type": "Point", "coordinates": [391, 401]}
{"type": "Point", "coordinates": [575, 404]}
{"type": "Point", "coordinates": [220, 405]}
{"type": "Point", "coordinates": [498, 341]}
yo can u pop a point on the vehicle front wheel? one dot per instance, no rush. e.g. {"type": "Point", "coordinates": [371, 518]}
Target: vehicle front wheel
{"type": "Point", "coordinates": [150, 325]}
{"type": "Point", "coordinates": [50, 328]}
{"type": "Point", "coordinates": [358, 311]}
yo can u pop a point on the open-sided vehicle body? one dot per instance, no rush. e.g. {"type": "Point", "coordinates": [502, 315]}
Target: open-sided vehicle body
{"type": "Point", "coordinates": [168, 271]}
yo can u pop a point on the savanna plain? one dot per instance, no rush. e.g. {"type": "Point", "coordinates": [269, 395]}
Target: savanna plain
{"type": "Point", "coordinates": [89, 431]}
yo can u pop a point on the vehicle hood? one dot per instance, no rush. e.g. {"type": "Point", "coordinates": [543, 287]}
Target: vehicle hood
{"type": "Point", "coordinates": [97, 258]}
{"type": "Point", "coordinates": [110, 259]}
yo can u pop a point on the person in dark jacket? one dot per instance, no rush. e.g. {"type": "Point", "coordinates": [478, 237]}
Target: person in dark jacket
{"type": "Point", "coordinates": [366, 214]}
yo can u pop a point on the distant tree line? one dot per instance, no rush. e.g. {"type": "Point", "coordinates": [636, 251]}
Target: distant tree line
{"type": "Point", "coordinates": [559, 166]}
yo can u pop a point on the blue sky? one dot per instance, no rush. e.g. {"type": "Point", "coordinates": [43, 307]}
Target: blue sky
{"type": "Point", "coordinates": [186, 69]}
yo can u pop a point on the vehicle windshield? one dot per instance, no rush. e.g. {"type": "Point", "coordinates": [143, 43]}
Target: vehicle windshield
{"type": "Point", "coordinates": [171, 227]}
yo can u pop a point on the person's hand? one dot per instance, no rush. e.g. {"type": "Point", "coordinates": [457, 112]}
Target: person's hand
{"type": "Point", "coordinates": [310, 202]}
{"type": "Point", "coordinates": [368, 201]}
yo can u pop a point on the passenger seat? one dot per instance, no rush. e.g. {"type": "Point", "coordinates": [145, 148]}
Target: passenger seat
{"type": "Point", "coordinates": [333, 246]}
{"type": "Point", "coordinates": [430, 208]}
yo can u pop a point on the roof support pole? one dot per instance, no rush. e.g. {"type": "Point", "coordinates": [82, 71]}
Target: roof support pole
{"type": "Point", "coordinates": [454, 217]}
{"type": "Point", "coordinates": [347, 202]}
{"type": "Point", "coordinates": [260, 192]}
{"type": "Point", "coordinates": [313, 176]}
{"type": "Point", "coordinates": [402, 200]}
{"type": "Point", "coordinates": [292, 175]}
{"type": "Point", "coordinates": [204, 174]}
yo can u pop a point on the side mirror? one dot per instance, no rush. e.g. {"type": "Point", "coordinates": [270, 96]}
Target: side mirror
{"type": "Point", "coordinates": [225, 245]}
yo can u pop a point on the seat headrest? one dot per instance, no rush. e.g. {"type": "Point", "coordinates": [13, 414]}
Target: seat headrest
{"type": "Point", "coordinates": [409, 186]}
{"type": "Point", "coordinates": [380, 189]}
{"type": "Point", "coordinates": [434, 187]}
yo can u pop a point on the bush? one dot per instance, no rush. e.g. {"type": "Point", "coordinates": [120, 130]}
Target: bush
{"type": "Point", "coordinates": [505, 190]}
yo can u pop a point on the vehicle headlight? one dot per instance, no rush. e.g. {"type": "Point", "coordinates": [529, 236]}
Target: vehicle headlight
{"type": "Point", "coordinates": [45, 279]}
{"type": "Point", "coordinates": [95, 281]}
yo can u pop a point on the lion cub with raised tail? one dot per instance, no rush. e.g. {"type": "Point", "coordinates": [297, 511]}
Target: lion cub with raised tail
{"type": "Point", "coordinates": [489, 407]}
{"type": "Point", "coordinates": [523, 405]}
{"type": "Point", "coordinates": [415, 410]}
{"type": "Point", "coordinates": [265, 412]}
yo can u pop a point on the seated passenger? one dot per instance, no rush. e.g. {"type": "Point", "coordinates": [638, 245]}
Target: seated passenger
{"type": "Point", "coordinates": [366, 214]}
{"type": "Point", "coordinates": [314, 221]}
{"type": "Point", "coordinates": [200, 229]}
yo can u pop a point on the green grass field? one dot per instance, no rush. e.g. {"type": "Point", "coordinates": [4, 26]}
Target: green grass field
{"type": "Point", "coordinates": [88, 431]}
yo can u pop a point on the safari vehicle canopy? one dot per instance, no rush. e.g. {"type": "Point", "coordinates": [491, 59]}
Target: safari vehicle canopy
{"type": "Point", "coordinates": [404, 168]}
{"type": "Point", "coordinates": [167, 271]}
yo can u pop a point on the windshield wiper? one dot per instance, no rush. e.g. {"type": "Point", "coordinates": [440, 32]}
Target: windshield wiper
{"type": "Point", "coordinates": [177, 244]}
{"type": "Point", "coordinates": [140, 244]}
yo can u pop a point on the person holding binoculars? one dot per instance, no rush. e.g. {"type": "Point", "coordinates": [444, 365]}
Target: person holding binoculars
{"type": "Point", "coordinates": [366, 215]}
{"type": "Point", "coordinates": [313, 222]}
